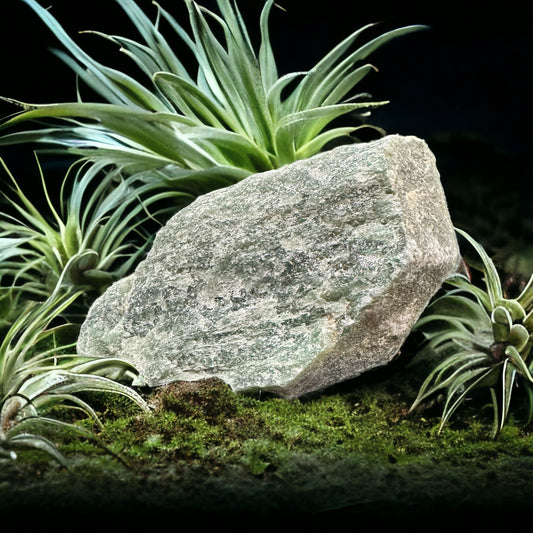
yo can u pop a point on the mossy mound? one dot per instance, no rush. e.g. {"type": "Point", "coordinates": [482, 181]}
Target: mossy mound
{"type": "Point", "coordinates": [352, 451]}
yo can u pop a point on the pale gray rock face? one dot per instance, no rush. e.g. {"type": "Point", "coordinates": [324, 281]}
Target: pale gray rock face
{"type": "Point", "coordinates": [289, 281]}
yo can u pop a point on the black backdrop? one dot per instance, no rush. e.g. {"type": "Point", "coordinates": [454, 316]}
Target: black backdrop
{"type": "Point", "coordinates": [465, 86]}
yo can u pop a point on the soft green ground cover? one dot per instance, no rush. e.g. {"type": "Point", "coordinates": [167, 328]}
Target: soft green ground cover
{"type": "Point", "coordinates": [350, 451]}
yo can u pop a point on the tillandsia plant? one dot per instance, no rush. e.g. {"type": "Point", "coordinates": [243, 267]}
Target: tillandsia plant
{"type": "Point", "coordinates": [98, 230]}
{"type": "Point", "coordinates": [482, 339]}
{"type": "Point", "coordinates": [233, 117]}
{"type": "Point", "coordinates": [39, 372]}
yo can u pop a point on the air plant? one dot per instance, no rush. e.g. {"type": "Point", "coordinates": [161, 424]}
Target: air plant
{"type": "Point", "coordinates": [235, 116]}
{"type": "Point", "coordinates": [97, 230]}
{"type": "Point", "coordinates": [481, 339]}
{"type": "Point", "coordinates": [39, 371]}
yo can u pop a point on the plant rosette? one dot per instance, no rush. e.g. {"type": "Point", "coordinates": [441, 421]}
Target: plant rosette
{"type": "Point", "coordinates": [38, 373]}
{"type": "Point", "coordinates": [234, 117]}
{"type": "Point", "coordinates": [481, 339]}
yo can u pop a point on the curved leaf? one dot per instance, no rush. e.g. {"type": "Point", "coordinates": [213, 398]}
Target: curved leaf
{"type": "Point", "coordinates": [519, 336]}
{"type": "Point", "coordinates": [190, 100]}
{"type": "Point", "coordinates": [513, 353]}
{"type": "Point", "coordinates": [525, 299]}
{"type": "Point", "coordinates": [492, 279]}
{"type": "Point", "coordinates": [37, 442]}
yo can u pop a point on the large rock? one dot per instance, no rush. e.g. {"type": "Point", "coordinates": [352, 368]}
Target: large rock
{"type": "Point", "coordinates": [290, 281]}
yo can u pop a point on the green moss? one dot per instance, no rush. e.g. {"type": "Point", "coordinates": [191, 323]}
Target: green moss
{"type": "Point", "coordinates": [352, 450]}
{"type": "Point", "coordinates": [208, 424]}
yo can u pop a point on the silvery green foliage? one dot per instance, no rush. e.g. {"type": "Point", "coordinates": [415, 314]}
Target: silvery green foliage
{"type": "Point", "coordinates": [38, 372]}
{"type": "Point", "coordinates": [97, 229]}
{"type": "Point", "coordinates": [234, 116]}
{"type": "Point", "coordinates": [481, 338]}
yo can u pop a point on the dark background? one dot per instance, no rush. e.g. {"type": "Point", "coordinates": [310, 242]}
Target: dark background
{"type": "Point", "coordinates": [465, 85]}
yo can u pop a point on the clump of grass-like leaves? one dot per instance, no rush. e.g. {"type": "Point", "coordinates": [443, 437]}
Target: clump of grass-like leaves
{"type": "Point", "coordinates": [481, 338]}
{"type": "Point", "coordinates": [93, 237]}
{"type": "Point", "coordinates": [232, 117]}
{"type": "Point", "coordinates": [49, 261]}
{"type": "Point", "coordinates": [39, 372]}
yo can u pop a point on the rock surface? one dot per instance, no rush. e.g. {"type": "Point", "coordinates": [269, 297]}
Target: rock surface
{"type": "Point", "coordinates": [289, 281]}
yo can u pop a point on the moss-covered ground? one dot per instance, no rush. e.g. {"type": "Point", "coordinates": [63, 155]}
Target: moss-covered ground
{"type": "Point", "coordinates": [352, 452]}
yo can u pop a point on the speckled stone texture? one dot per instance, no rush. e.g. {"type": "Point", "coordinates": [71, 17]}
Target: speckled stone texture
{"type": "Point", "coordinates": [289, 281]}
